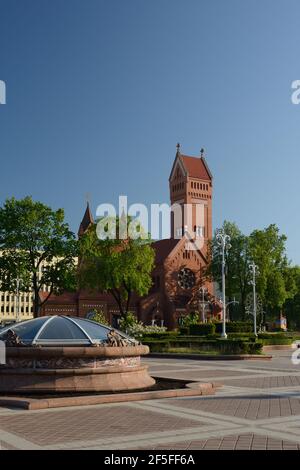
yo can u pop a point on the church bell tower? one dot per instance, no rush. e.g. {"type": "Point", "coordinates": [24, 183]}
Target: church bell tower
{"type": "Point", "coordinates": [191, 187]}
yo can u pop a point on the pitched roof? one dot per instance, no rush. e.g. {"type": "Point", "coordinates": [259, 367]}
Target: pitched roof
{"type": "Point", "coordinates": [163, 248]}
{"type": "Point", "coordinates": [196, 167]}
{"type": "Point", "coordinates": [87, 220]}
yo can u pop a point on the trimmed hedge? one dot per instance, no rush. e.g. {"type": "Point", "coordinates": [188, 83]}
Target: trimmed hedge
{"type": "Point", "coordinates": [241, 335]}
{"type": "Point", "coordinates": [235, 327]}
{"type": "Point", "coordinates": [238, 346]}
{"type": "Point", "coordinates": [159, 335]}
{"type": "Point", "coordinates": [184, 330]}
{"type": "Point", "coordinates": [272, 335]}
{"type": "Point", "coordinates": [222, 346]}
{"type": "Point", "coordinates": [274, 341]}
{"type": "Point", "coordinates": [205, 337]}
{"type": "Point", "coordinates": [203, 329]}
{"type": "Point", "coordinates": [265, 338]}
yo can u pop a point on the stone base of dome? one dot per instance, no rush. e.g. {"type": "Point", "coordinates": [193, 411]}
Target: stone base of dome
{"type": "Point", "coordinates": [90, 369]}
{"type": "Point", "coordinates": [74, 380]}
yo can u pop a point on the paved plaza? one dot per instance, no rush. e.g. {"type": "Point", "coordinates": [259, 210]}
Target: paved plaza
{"type": "Point", "coordinates": [258, 407]}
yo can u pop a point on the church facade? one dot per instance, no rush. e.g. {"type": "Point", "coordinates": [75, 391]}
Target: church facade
{"type": "Point", "coordinates": [179, 286]}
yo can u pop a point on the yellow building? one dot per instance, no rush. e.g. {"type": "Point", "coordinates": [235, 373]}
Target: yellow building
{"type": "Point", "coordinates": [9, 306]}
{"type": "Point", "coordinates": [17, 307]}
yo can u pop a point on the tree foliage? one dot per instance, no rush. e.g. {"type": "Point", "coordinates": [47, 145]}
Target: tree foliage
{"type": "Point", "coordinates": [292, 305]}
{"type": "Point", "coordinates": [37, 248]}
{"type": "Point", "coordinates": [237, 261]}
{"type": "Point", "coordinates": [119, 267]}
{"type": "Point", "coordinates": [268, 251]}
{"type": "Point", "coordinates": [276, 281]}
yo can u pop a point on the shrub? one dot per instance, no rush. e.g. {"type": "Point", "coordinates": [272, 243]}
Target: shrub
{"type": "Point", "coordinates": [99, 317]}
{"type": "Point", "coordinates": [149, 333]}
{"type": "Point", "coordinates": [272, 335]}
{"type": "Point", "coordinates": [255, 348]}
{"type": "Point", "coordinates": [131, 326]}
{"type": "Point", "coordinates": [293, 334]}
{"type": "Point", "coordinates": [128, 322]}
{"type": "Point", "coordinates": [191, 319]}
{"type": "Point", "coordinates": [241, 335]}
{"type": "Point", "coordinates": [274, 341]}
{"type": "Point", "coordinates": [157, 345]}
{"type": "Point", "coordinates": [213, 336]}
{"type": "Point", "coordinates": [203, 329]}
{"type": "Point", "coordinates": [221, 346]}
{"type": "Point", "coordinates": [235, 327]}
{"type": "Point", "coordinates": [139, 331]}
{"type": "Point", "coordinates": [239, 346]}
{"type": "Point", "coordinates": [184, 330]}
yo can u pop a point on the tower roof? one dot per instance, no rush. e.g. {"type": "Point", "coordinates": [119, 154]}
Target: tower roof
{"type": "Point", "coordinates": [87, 220]}
{"type": "Point", "coordinates": [195, 167]}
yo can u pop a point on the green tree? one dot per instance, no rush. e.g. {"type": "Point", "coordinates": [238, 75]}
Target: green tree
{"type": "Point", "coordinates": [237, 261]}
{"type": "Point", "coordinates": [121, 267]}
{"type": "Point", "coordinates": [276, 282]}
{"type": "Point", "coordinates": [37, 248]}
{"type": "Point", "coordinates": [291, 276]}
{"type": "Point", "coordinates": [268, 251]}
{"type": "Point", "coordinates": [292, 305]}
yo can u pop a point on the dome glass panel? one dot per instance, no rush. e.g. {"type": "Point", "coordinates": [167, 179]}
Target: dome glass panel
{"type": "Point", "coordinates": [93, 329]}
{"type": "Point", "coordinates": [61, 330]}
{"type": "Point", "coordinates": [27, 330]}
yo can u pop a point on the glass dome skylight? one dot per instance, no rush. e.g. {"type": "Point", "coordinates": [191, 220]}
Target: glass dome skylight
{"type": "Point", "coordinates": [60, 331]}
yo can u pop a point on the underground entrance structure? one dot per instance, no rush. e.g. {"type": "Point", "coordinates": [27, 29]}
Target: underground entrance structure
{"type": "Point", "coordinates": [70, 354]}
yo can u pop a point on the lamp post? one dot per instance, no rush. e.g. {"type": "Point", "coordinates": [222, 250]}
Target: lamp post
{"type": "Point", "coordinates": [232, 302]}
{"type": "Point", "coordinates": [203, 291]}
{"type": "Point", "coordinates": [254, 271]}
{"type": "Point", "coordinates": [17, 299]}
{"type": "Point", "coordinates": [223, 241]}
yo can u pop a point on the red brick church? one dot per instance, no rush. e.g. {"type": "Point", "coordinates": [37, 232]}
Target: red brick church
{"type": "Point", "coordinates": [179, 260]}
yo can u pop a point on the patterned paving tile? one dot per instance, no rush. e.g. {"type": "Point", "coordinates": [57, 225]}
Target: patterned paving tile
{"type": "Point", "coordinates": [265, 382]}
{"type": "Point", "coordinates": [244, 407]}
{"type": "Point", "coordinates": [232, 442]}
{"type": "Point", "coordinates": [6, 446]}
{"type": "Point", "coordinates": [223, 373]}
{"type": "Point", "coordinates": [203, 374]}
{"type": "Point", "coordinates": [46, 428]}
{"type": "Point", "coordinates": [252, 412]}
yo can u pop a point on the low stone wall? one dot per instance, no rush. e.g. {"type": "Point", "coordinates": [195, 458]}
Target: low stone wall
{"type": "Point", "coordinates": [77, 369]}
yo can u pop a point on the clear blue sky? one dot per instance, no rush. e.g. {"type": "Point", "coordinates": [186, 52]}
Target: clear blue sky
{"type": "Point", "coordinates": [99, 92]}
